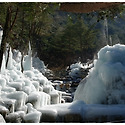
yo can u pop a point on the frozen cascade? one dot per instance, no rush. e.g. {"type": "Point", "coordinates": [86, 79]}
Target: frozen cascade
{"type": "Point", "coordinates": [20, 98]}
{"type": "Point", "coordinates": [39, 99]}
{"type": "Point", "coordinates": [18, 89]}
{"type": "Point", "coordinates": [105, 82]}
{"type": "Point", "coordinates": [33, 116]}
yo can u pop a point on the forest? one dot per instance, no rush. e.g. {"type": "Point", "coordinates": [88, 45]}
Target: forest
{"type": "Point", "coordinates": [57, 37]}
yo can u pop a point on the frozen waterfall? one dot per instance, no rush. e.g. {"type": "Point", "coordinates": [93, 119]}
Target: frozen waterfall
{"type": "Point", "coordinates": [21, 92]}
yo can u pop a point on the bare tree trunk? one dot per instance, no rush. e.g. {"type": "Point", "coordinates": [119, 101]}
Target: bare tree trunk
{"type": "Point", "coordinates": [22, 69]}
{"type": "Point", "coordinates": [7, 57]}
{"type": "Point", "coordinates": [7, 28]}
{"type": "Point", "coordinates": [5, 35]}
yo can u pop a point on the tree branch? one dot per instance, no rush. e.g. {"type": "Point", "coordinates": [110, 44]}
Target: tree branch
{"type": "Point", "coordinates": [14, 19]}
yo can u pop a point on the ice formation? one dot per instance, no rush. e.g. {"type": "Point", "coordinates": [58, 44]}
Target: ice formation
{"type": "Point", "coordinates": [1, 34]}
{"type": "Point", "coordinates": [78, 111]}
{"type": "Point", "coordinates": [39, 65]}
{"type": "Point", "coordinates": [105, 83]}
{"type": "Point", "coordinates": [28, 60]}
{"type": "Point", "coordinates": [21, 94]}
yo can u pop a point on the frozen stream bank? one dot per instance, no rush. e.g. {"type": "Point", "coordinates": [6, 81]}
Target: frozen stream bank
{"type": "Point", "coordinates": [78, 111]}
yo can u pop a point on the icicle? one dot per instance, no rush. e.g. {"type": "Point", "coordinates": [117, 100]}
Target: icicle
{"type": "Point", "coordinates": [30, 51]}
{"type": "Point", "coordinates": [1, 34]}
{"type": "Point", "coordinates": [110, 40]}
{"type": "Point", "coordinates": [106, 30]}
{"type": "Point", "coordinates": [28, 60]}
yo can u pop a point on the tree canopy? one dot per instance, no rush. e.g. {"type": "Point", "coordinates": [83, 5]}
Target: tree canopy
{"type": "Point", "coordinates": [58, 37]}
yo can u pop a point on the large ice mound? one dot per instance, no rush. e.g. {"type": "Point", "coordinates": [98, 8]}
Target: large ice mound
{"type": "Point", "coordinates": [105, 83]}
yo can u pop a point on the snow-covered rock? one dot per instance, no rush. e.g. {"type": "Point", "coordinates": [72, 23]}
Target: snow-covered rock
{"type": "Point", "coordinates": [75, 69]}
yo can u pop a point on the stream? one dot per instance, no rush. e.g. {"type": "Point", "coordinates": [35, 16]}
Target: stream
{"type": "Point", "coordinates": [67, 80]}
